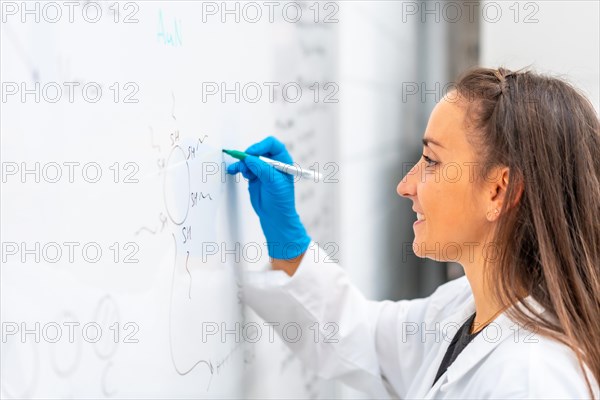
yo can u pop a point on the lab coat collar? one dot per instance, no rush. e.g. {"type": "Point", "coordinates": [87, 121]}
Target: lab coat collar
{"type": "Point", "coordinates": [484, 343]}
{"type": "Point", "coordinates": [499, 330]}
{"type": "Point", "coordinates": [458, 317]}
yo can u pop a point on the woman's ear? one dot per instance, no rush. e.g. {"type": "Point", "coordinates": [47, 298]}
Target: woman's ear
{"type": "Point", "coordinates": [498, 189]}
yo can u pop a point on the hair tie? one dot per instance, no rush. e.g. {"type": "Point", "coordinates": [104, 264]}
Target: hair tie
{"type": "Point", "coordinates": [503, 75]}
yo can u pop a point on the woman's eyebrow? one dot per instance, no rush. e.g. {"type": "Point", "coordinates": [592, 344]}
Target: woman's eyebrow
{"type": "Point", "coordinates": [426, 142]}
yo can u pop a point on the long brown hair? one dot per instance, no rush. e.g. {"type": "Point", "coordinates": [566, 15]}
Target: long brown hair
{"type": "Point", "coordinates": [548, 235]}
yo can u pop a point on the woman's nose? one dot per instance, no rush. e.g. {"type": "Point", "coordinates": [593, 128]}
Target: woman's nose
{"type": "Point", "coordinates": [407, 186]}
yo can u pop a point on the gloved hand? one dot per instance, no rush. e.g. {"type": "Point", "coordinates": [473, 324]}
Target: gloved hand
{"type": "Point", "coordinates": [272, 197]}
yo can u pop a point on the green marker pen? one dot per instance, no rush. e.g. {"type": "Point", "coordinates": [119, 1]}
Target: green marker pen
{"type": "Point", "coordinates": [283, 167]}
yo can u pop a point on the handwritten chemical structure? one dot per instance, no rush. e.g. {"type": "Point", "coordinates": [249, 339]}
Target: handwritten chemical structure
{"type": "Point", "coordinates": [187, 216]}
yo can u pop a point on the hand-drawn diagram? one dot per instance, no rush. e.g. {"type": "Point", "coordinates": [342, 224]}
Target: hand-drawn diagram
{"type": "Point", "coordinates": [107, 317]}
{"type": "Point", "coordinates": [191, 193]}
{"type": "Point", "coordinates": [65, 356]}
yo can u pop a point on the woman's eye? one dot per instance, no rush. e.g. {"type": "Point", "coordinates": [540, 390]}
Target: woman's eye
{"type": "Point", "coordinates": [429, 161]}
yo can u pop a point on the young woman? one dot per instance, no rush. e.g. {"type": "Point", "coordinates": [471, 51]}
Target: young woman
{"type": "Point", "coordinates": [523, 219]}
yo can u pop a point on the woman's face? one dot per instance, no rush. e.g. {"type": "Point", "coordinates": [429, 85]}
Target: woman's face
{"type": "Point", "coordinates": [443, 189]}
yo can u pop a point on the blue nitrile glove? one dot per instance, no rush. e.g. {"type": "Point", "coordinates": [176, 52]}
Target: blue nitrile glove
{"type": "Point", "coordinates": [272, 197]}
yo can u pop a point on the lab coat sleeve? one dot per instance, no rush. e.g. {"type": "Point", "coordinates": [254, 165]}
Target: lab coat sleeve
{"type": "Point", "coordinates": [357, 340]}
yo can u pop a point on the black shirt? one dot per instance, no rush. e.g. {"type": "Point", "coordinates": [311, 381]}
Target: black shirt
{"type": "Point", "coordinates": [459, 342]}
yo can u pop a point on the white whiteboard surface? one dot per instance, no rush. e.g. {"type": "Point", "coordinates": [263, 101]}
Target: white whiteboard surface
{"type": "Point", "coordinates": [155, 202]}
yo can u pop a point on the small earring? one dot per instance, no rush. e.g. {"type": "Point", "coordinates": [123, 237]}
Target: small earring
{"type": "Point", "coordinates": [495, 214]}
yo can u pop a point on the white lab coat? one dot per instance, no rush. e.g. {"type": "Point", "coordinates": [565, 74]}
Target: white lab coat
{"type": "Point", "coordinates": [393, 349]}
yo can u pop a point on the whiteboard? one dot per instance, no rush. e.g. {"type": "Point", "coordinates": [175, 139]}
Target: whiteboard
{"type": "Point", "coordinates": [110, 281]}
